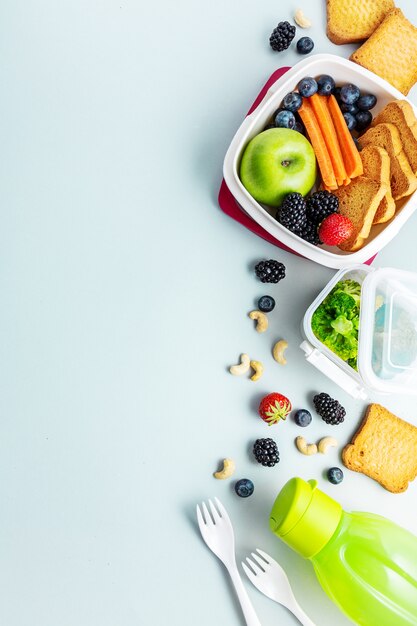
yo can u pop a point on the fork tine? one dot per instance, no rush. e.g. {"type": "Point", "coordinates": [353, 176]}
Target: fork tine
{"type": "Point", "coordinates": [248, 571]}
{"type": "Point", "coordinates": [200, 519]}
{"type": "Point", "coordinates": [265, 556]}
{"type": "Point", "coordinates": [257, 570]}
{"type": "Point", "coordinates": [260, 561]}
{"type": "Point", "coordinates": [214, 512]}
{"type": "Point", "coordinates": [207, 518]}
{"type": "Point", "coordinates": [222, 510]}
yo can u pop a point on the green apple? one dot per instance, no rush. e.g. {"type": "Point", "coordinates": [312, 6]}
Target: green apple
{"type": "Point", "coordinates": [277, 162]}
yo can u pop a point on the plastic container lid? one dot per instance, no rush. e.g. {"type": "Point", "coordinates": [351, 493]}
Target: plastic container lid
{"type": "Point", "coordinates": [387, 351]}
{"type": "Point", "coordinates": [304, 517]}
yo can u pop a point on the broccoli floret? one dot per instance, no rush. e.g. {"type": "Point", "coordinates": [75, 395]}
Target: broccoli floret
{"type": "Point", "coordinates": [335, 322]}
{"type": "Point", "coordinates": [350, 287]}
{"type": "Point", "coordinates": [340, 303]}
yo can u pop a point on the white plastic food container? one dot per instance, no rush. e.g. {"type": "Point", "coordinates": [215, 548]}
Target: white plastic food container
{"type": "Point", "coordinates": [343, 71]}
{"type": "Point", "coordinates": [387, 352]}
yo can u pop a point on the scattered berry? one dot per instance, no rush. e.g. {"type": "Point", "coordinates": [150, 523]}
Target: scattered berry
{"type": "Point", "coordinates": [292, 213]}
{"type": "Point", "coordinates": [350, 120]}
{"type": "Point", "coordinates": [330, 410]}
{"type": "Point", "coordinates": [349, 93]}
{"type": "Point", "coordinates": [302, 417]}
{"type": "Point", "coordinates": [285, 119]}
{"type": "Point", "coordinates": [310, 234]}
{"type": "Point", "coordinates": [305, 45]}
{"type": "Point", "coordinates": [292, 101]}
{"type": "Point", "coordinates": [335, 229]}
{"type": "Point", "coordinates": [266, 304]}
{"type": "Point", "coordinates": [244, 488]}
{"type": "Point", "coordinates": [321, 204]}
{"type": "Point", "coordinates": [363, 119]}
{"type": "Point", "coordinates": [307, 87]}
{"type": "Point", "coordinates": [270, 271]}
{"type": "Point", "coordinates": [335, 475]}
{"type": "Point", "coordinates": [282, 36]}
{"type": "Point", "coordinates": [325, 84]}
{"type": "Point", "coordinates": [273, 408]}
{"type": "Point", "coordinates": [266, 452]}
{"type": "Point", "coordinates": [366, 102]}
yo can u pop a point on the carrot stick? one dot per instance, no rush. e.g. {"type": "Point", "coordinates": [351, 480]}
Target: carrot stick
{"type": "Point", "coordinates": [315, 135]}
{"type": "Point", "coordinates": [351, 156]}
{"type": "Point", "coordinates": [319, 105]}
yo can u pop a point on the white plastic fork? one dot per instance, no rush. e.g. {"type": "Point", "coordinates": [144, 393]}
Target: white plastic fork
{"type": "Point", "coordinates": [269, 577]}
{"type": "Point", "coordinates": [217, 531]}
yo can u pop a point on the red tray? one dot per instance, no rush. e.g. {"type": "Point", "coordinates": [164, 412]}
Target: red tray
{"type": "Point", "coordinates": [226, 200]}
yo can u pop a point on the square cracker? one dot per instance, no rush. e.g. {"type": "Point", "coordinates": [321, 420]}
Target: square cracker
{"type": "Point", "coordinates": [391, 51]}
{"type": "Point", "coordinates": [384, 448]}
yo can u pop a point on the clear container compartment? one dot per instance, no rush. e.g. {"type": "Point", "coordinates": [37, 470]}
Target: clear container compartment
{"type": "Point", "coordinates": [387, 338]}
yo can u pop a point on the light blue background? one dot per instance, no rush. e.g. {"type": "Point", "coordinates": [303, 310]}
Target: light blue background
{"type": "Point", "coordinates": [124, 299]}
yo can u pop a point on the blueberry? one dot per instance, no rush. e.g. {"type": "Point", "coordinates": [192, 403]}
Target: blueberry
{"type": "Point", "coordinates": [335, 475]}
{"type": "Point", "coordinates": [302, 417]}
{"type": "Point", "coordinates": [292, 102]}
{"type": "Point", "coordinates": [299, 128]}
{"type": "Point", "coordinates": [336, 93]}
{"type": "Point", "coordinates": [363, 119]}
{"type": "Point", "coordinates": [349, 108]}
{"type": "Point", "coordinates": [349, 93]}
{"type": "Point", "coordinates": [325, 84]}
{"type": "Point", "coordinates": [305, 45]}
{"type": "Point", "coordinates": [307, 87]}
{"type": "Point", "coordinates": [350, 120]}
{"type": "Point", "coordinates": [366, 102]}
{"type": "Point", "coordinates": [285, 119]}
{"type": "Point", "coordinates": [244, 487]}
{"type": "Point", "coordinates": [266, 304]}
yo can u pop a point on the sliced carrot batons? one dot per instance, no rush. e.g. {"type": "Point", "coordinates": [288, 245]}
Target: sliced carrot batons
{"type": "Point", "coordinates": [319, 105]}
{"type": "Point", "coordinates": [319, 145]}
{"type": "Point", "coordinates": [351, 156]}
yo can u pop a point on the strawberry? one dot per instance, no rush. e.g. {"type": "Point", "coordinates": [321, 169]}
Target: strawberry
{"type": "Point", "coordinates": [274, 407]}
{"type": "Point", "coordinates": [335, 229]}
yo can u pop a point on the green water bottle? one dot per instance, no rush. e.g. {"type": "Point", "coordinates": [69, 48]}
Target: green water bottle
{"type": "Point", "coordinates": [366, 564]}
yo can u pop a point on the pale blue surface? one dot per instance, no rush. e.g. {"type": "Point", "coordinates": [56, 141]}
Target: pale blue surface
{"type": "Point", "coordinates": [125, 294]}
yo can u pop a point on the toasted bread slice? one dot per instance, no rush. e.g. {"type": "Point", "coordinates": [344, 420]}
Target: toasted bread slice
{"type": "Point", "coordinates": [376, 166]}
{"type": "Point", "coordinates": [401, 114]}
{"type": "Point", "coordinates": [403, 181]}
{"type": "Point", "coordinates": [355, 20]}
{"type": "Point", "coordinates": [384, 448]}
{"type": "Point", "coordinates": [391, 51]}
{"type": "Point", "coordinates": [359, 201]}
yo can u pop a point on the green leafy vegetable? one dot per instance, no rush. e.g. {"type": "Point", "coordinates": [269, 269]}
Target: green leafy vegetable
{"type": "Point", "coordinates": [336, 321]}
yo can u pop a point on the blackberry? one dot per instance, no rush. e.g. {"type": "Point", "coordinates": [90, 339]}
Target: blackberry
{"type": "Point", "coordinates": [292, 213]}
{"type": "Point", "coordinates": [282, 36]}
{"type": "Point", "coordinates": [310, 233]}
{"type": "Point", "coordinates": [330, 410]}
{"type": "Point", "coordinates": [320, 205]}
{"type": "Point", "coordinates": [266, 452]}
{"type": "Point", "coordinates": [270, 271]}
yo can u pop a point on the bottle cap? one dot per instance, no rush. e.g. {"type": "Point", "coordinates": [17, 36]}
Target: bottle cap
{"type": "Point", "coordinates": [304, 517]}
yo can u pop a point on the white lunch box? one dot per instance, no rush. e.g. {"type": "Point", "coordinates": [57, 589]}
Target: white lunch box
{"type": "Point", "coordinates": [343, 71]}
{"type": "Point", "coordinates": [387, 352]}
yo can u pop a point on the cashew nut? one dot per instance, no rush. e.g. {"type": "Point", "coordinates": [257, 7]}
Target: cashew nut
{"type": "Point", "coordinates": [227, 471]}
{"type": "Point", "coordinates": [258, 368]}
{"type": "Point", "coordinates": [301, 19]}
{"type": "Point", "coordinates": [304, 447]}
{"type": "Point", "coordinates": [242, 368]}
{"type": "Point", "coordinates": [326, 443]}
{"type": "Point", "coordinates": [261, 320]}
{"type": "Point", "coordinates": [278, 351]}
